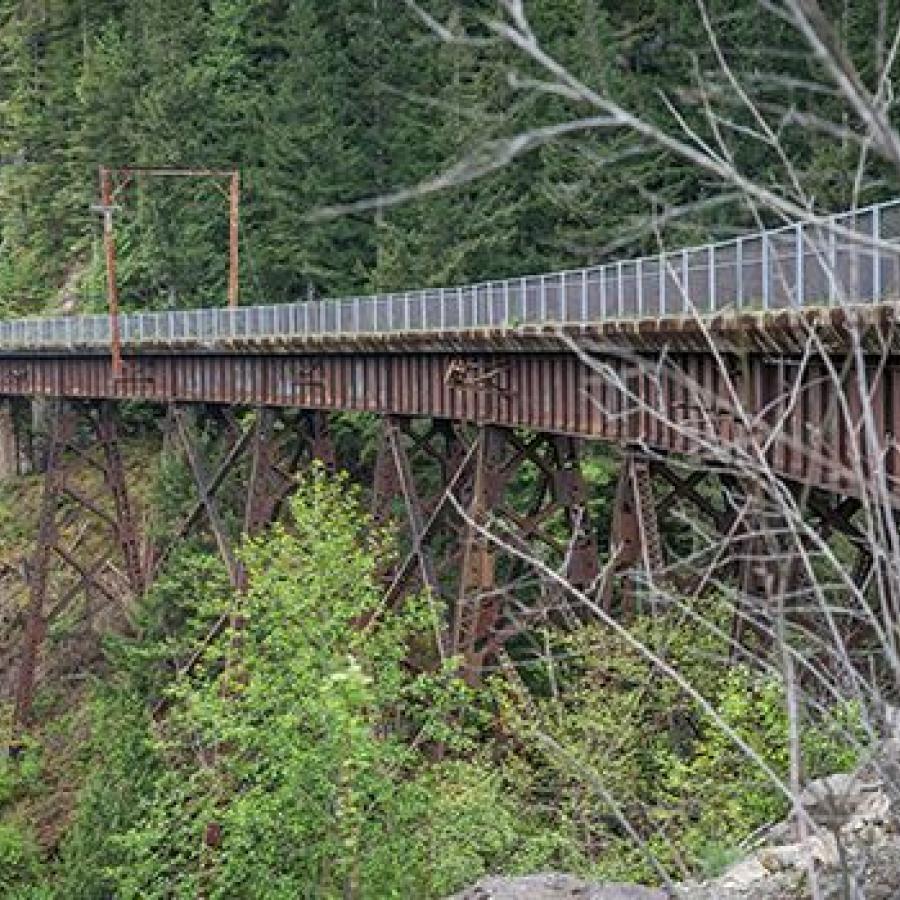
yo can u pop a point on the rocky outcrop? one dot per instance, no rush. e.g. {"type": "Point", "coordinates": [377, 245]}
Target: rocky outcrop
{"type": "Point", "coordinates": [553, 886]}
{"type": "Point", "coordinates": [853, 848]}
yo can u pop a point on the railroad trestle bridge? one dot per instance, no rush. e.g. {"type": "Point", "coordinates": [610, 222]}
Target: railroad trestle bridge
{"type": "Point", "coordinates": [774, 358]}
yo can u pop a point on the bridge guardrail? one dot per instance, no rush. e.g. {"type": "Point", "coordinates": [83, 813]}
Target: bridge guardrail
{"type": "Point", "coordinates": [851, 257]}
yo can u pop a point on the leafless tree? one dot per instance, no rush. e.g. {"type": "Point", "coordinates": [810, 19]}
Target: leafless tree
{"type": "Point", "coordinates": [809, 592]}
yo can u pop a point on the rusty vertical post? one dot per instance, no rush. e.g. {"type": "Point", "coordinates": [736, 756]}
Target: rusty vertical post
{"type": "Point", "coordinates": [478, 605]}
{"type": "Point", "coordinates": [205, 494]}
{"type": "Point", "coordinates": [321, 443]}
{"type": "Point", "coordinates": [570, 489]}
{"type": "Point", "coordinates": [38, 570]}
{"type": "Point", "coordinates": [634, 532]}
{"type": "Point", "coordinates": [262, 496]}
{"type": "Point", "coordinates": [112, 292]}
{"type": "Point", "coordinates": [9, 445]}
{"type": "Point", "coordinates": [233, 239]}
{"type": "Point", "coordinates": [125, 527]}
{"type": "Point", "coordinates": [385, 478]}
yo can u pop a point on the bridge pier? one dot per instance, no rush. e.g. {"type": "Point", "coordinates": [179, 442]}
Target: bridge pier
{"type": "Point", "coordinates": [468, 537]}
{"type": "Point", "coordinates": [9, 442]}
{"type": "Point", "coordinates": [635, 541]}
{"type": "Point", "coordinates": [475, 507]}
{"type": "Point", "coordinates": [94, 507]}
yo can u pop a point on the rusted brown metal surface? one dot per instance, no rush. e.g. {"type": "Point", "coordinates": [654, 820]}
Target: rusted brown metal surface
{"type": "Point", "coordinates": [476, 407]}
{"type": "Point", "coordinates": [61, 429]}
{"type": "Point", "coordinates": [451, 488]}
{"type": "Point", "coordinates": [210, 505]}
{"type": "Point", "coordinates": [685, 406]}
{"type": "Point", "coordinates": [124, 523]}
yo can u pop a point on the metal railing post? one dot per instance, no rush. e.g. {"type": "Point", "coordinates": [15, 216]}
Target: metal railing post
{"type": "Point", "coordinates": [739, 272]}
{"type": "Point", "coordinates": [564, 305]}
{"type": "Point", "coordinates": [876, 253]}
{"type": "Point", "coordinates": [620, 305]}
{"type": "Point", "coordinates": [639, 285]}
{"type": "Point", "coordinates": [685, 280]}
{"type": "Point", "coordinates": [584, 295]}
{"type": "Point", "coordinates": [506, 303]}
{"type": "Point", "coordinates": [832, 262]}
{"type": "Point", "coordinates": [442, 313]}
{"type": "Point", "coordinates": [523, 300]}
{"type": "Point", "coordinates": [543, 298]}
{"type": "Point", "coordinates": [603, 301]}
{"type": "Point", "coordinates": [764, 263]}
{"type": "Point", "coordinates": [661, 306]}
{"type": "Point", "coordinates": [711, 275]}
{"type": "Point", "coordinates": [798, 263]}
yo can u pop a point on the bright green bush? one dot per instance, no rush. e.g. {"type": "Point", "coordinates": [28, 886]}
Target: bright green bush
{"type": "Point", "coordinates": [335, 769]}
{"type": "Point", "coordinates": [307, 739]}
{"type": "Point", "coordinates": [124, 768]}
{"type": "Point", "coordinates": [19, 859]}
{"type": "Point", "coordinates": [619, 741]}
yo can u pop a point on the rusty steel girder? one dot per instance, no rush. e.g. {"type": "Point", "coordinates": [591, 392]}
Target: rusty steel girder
{"type": "Point", "coordinates": [683, 403]}
{"type": "Point", "coordinates": [449, 489]}
{"type": "Point", "coordinates": [451, 493]}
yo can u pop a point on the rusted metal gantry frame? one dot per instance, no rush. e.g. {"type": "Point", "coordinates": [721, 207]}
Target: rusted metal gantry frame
{"type": "Point", "coordinates": [112, 181]}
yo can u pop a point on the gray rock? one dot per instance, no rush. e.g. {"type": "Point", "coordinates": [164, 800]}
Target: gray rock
{"type": "Point", "coordinates": [892, 721]}
{"type": "Point", "coordinates": [553, 886]}
{"type": "Point", "coordinates": [831, 800]}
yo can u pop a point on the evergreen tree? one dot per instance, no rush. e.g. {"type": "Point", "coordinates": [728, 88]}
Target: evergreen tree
{"type": "Point", "coordinates": [42, 172]}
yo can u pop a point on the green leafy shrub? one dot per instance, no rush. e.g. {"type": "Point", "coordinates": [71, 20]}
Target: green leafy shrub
{"type": "Point", "coordinates": [305, 738]}
{"type": "Point", "coordinates": [123, 770]}
{"type": "Point", "coordinates": [329, 767]}
{"type": "Point", "coordinates": [20, 775]}
{"type": "Point", "coordinates": [19, 859]}
{"type": "Point", "coordinates": [649, 779]}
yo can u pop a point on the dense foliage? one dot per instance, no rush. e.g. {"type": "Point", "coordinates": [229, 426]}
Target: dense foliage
{"type": "Point", "coordinates": [312, 749]}
{"type": "Point", "coordinates": [306, 757]}
{"type": "Point", "coordinates": [319, 103]}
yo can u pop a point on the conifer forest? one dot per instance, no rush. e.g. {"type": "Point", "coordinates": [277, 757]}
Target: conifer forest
{"type": "Point", "coordinates": [340, 650]}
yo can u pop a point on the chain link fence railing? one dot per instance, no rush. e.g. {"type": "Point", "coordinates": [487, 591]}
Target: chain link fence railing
{"type": "Point", "coordinates": [848, 258]}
